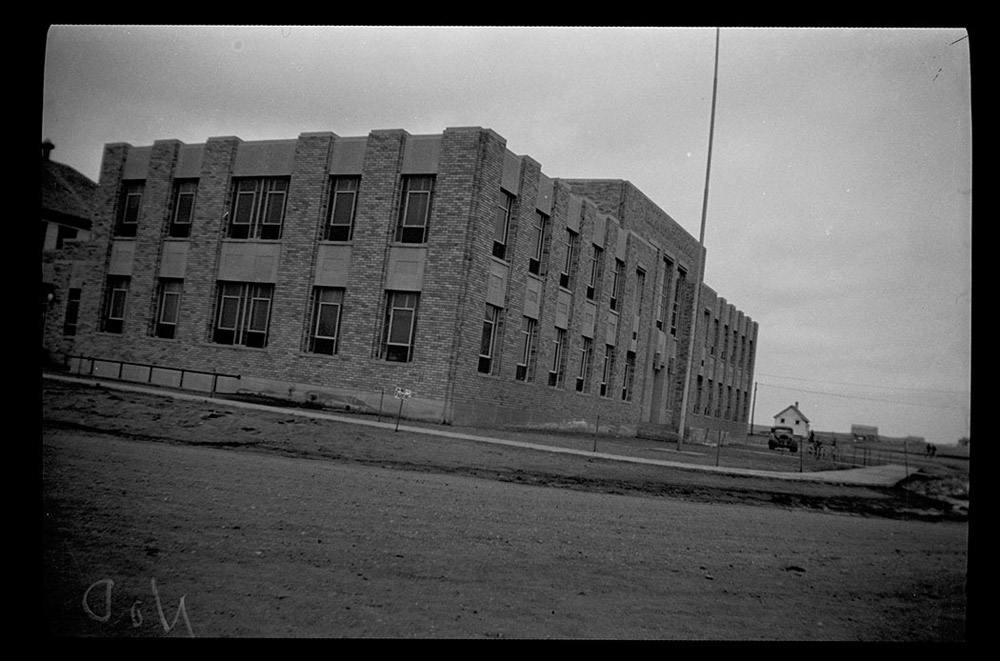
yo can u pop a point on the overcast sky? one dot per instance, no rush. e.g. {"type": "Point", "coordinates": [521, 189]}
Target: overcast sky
{"type": "Point", "coordinates": [839, 212]}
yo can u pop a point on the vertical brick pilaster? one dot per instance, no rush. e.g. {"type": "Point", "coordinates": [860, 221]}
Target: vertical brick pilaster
{"type": "Point", "coordinates": [206, 234]}
{"type": "Point", "coordinates": [306, 195]}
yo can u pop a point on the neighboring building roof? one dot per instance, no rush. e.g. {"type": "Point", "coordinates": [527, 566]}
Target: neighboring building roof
{"type": "Point", "coordinates": [795, 408]}
{"type": "Point", "coordinates": [67, 195]}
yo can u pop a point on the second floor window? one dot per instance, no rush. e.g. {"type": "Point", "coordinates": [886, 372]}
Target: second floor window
{"type": "Point", "coordinates": [415, 209]}
{"type": "Point", "coordinates": [343, 204]}
{"type": "Point", "coordinates": [258, 208]}
{"type": "Point", "coordinates": [501, 225]}
{"type": "Point", "coordinates": [616, 283]}
{"type": "Point", "coordinates": [183, 209]}
{"type": "Point", "coordinates": [537, 263]}
{"type": "Point", "coordinates": [595, 273]}
{"type": "Point", "coordinates": [569, 261]}
{"type": "Point", "coordinates": [127, 224]}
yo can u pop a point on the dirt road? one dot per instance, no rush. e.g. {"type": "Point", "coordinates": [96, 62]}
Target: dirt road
{"type": "Point", "coordinates": [259, 540]}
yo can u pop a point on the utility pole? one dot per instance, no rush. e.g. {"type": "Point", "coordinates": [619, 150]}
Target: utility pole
{"type": "Point", "coordinates": [682, 426]}
{"type": "Point", "coordinates": [753, 407]}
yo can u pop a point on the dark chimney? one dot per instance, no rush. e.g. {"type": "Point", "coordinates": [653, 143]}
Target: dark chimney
{"type": "Point", "coordinates": [47, 148]}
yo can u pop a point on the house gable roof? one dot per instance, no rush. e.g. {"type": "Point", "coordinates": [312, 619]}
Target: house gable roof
{"type": "Point", "coordinates": [67, 195]}
{"type": "Point", "coordinates": [793, 408]}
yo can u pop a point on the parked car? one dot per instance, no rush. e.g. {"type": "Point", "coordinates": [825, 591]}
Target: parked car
{"type": "Point", "coordinates": [782, 437]}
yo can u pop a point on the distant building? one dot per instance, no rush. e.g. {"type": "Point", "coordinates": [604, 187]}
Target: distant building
{"type": "Point", "coordinates": [864, 433]}
{"type": "Point", "coordinates": [336, 269]}
{"type": "Point", "coordinates": [67, 202]}
{"type": "Point", "coordinates": [66, 214]}
{"type": "Point", "coordinates": [792, 417]}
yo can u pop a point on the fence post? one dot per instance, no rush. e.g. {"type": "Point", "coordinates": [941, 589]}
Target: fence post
{"type": "Point", "coordinates": [380, 399]}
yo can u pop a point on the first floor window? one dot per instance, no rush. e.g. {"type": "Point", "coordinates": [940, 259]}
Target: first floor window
{"type": "Point", "coordinates": [629, 377]}
{"type": "Point", "coordinates": [526, 366]}
{"type": "Point", "coordinates": [586, 352]}
{"type": "Point", "coordinates": [168, 308]}
{"type": "Point", "coordinates": [243, 313]}
{"type": "Point", "coordinates": [556, 373]}
{"type": "Point", "coordinates": [400, 326]}
{"type": "Point", "coordinates": [113, 317]}
{"type": "Point", "coordinates": [487, 344]}
{"type": "Point", "coordinates": [607, 368]}
{"type": "Point", "coordinates": [72, 311]}
{"type": "Point", "coordinates": [326, 310]}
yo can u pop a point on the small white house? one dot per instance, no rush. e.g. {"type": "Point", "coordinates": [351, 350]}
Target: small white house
{"type": "Point", "coordinates": [792, 417]}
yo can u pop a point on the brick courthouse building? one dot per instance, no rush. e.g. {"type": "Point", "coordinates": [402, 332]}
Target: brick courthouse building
{"type": "Point", "coordinates": [337, 269]}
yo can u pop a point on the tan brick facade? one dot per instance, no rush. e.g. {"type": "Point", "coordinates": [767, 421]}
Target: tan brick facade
{"type": "Point", "coordinates": [453, 276]}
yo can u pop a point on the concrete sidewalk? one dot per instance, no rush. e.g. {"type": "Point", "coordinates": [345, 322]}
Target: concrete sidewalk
{"type": "Point", "coordinates": [884, 476]}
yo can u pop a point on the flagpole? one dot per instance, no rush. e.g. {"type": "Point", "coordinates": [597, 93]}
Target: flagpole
{"type": "Point", "coordinates": [682, 425]}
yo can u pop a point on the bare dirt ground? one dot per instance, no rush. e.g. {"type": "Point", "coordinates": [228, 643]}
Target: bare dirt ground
{"type": "Point", "coordinates": [269, 524]}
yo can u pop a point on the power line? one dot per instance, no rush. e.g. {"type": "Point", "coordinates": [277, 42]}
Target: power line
{"type": "Point", "coordinates": [868, 399]}
{"type": "Point", "coordinates": [867, 385]}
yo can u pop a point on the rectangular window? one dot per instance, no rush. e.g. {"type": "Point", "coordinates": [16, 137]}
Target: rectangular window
{"type": "Point", "coordinates": [537, 263]}
{"type": "Point", "coordinates": [415, 209]}
{"type": "Point", "coordinates": [343, 204]}
{"type": "Point", "coordinates": [529, 336]}
{"type": "Point", "coordinates": [128, 209]}
{"type": "Point", "coordinates": [732, 355]}
{"type": "Point", "coordinates": [595, 273]}
{"type": "Point", "coordinates": [640, 294]}
{"type": "Point", "coordinates": [629, 377]}
{"type": "Point", "coordinates": [607, 368]}
{"type": "Point", "coordinates": [725, 342]}
{"type": "Point", "coordinates": [557, 371]}
{"type": "Point", "coordinates": [663, 310]}
{"type": "Point", "coordinates": [678, 281]}
{"type": "Point", "coordinates": [572, 245]}
{"type": "Point", "coordinates": [711, 397]}
{"type": "Point", "coordinates": [487, 344]}
{"type": "Point", "coordinates": [258, 208]}
{"type": "Point", "coordinates": [168, 306]}
{"type": "Point", "coordinates": [64, 234]}
{"type": "Point", "coordinates": [586, 356]}
{"type": "Point", "coordinates": [183, 209]}
{"type": "Point", "coordinates": [72, 311]}
{"type": "Point", "coordinates": [115, 295]}
{"type": "Point", "coordinates": [399, 326]}
{"type": "Point", "coordinates": [325, 327]}
{"type": "Point", "coordinates": [715, 336]}
{"type": "Point", "coordinates": [698, 395]}
{"type": "Point", "coordinates": [243, 314]}
{"type": "Point", "coordinates": [501, 225]}
{"type": "Point", "coordinates": [616, 283]}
